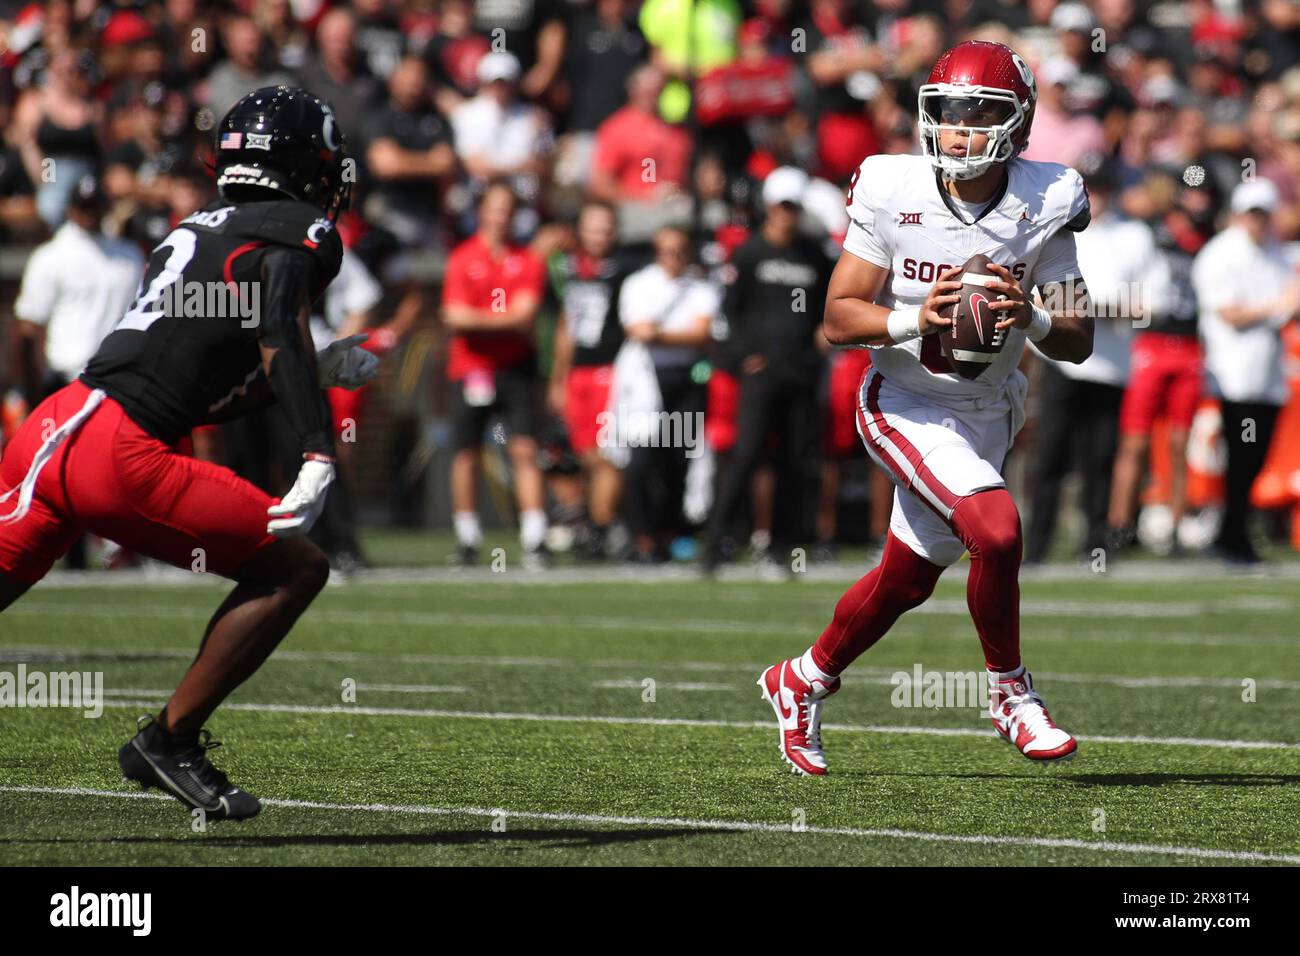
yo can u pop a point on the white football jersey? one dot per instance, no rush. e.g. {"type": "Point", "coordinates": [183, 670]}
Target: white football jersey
{"type": "Point", "coordinates": [900, 219]}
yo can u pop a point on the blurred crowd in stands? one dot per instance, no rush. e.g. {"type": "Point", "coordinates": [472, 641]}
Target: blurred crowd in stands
{"type": "Point", "coordinates": [671, 173]}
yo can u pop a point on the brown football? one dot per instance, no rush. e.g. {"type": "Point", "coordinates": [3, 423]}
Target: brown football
{"type": "Point", "coordinates": [972, 342]}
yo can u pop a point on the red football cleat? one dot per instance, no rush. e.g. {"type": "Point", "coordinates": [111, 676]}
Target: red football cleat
{"type": "Point", "coordinates": [797, 705]}
{"type": "Point", "coordinates": [1021, 719]}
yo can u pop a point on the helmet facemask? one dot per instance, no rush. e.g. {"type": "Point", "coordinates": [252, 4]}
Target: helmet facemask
{"type": "Point", "coordinates": [996, 113]}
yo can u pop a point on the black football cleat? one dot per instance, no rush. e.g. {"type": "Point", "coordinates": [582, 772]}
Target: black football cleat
{"type": "Point", "coordinates": [181, 767]}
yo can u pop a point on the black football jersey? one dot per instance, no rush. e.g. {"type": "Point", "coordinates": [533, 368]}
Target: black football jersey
{"type": "Point", "coordinates": [188, 344]}
{"type": "Point", "coordinates": [589, 297]}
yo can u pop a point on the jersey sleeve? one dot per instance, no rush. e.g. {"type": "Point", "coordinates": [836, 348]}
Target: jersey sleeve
{"type": "Point", "coordinates": [39, 289]}
{"type": "Point", "coordinates": [1059, 260]}
{"type": "Point", "coordinates": [1079, 212]}
{"type": "Point", "coordinates": [868, 235]}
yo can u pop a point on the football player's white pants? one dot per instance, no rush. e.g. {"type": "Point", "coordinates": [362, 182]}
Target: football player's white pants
{"type": "Point", "coordinates": [936, 455]}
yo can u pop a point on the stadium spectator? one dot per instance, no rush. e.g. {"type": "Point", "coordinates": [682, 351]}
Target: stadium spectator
{"type": "Point", "coordinates": [247, 66]}
{"type": "Point", "coordinates": [669, 311]}
{"type": "Point", "coordinates": [56, 129]}
{"type": "Point", "coordinates": [1078, 418]}
{"type": "Point", "coordinates": [603, 47]}
{"type": "Point", "coordinates": [1165, 367]}
{"type": "Point", "coordinates": [1062, 134]}
{"type": "Point", "coordinates": [139, 154]}
{"type": "Point", "coordinates": [379, 36]}
{"type": "Point", "coordinates": [332, 74]}
{"type": "Point", "coordinates": [74, 289]}
{"type": "Point", "coordinates": [18, 218]}
{"type": "Point", "coordinates": [587, 284]}
{"type": "Point", "coordinates": [773, 304]}
{"type": "Point", "coordinates": [499, 135]}
{"type": "Point", "coordinates": [410, 156]}
{"type": "Point", "coordinates": [688, 39]}
{"type": "Point", "coordinates": [842, 65]}
{"type": "Point", "coordinates": [1247, 291]}
{"type": "Point", "coordinates": [490, 299]}
{"type": "Point", "coordinates": [453, 53]}
{"type": "Point", "coordinates": [641, 164]}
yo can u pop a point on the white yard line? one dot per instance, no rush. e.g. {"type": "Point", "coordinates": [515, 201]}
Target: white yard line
{"type": "Point", "coordinates": [746, 826]}
{"type": "Point", "coordinates": [632, 683]}
{"type": "Point", "coordinates": [414, 688]}
{"type": "Point", "coordinates": [356, 710]}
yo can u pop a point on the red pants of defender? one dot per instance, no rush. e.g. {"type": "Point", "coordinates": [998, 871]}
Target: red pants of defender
{"type": "Point", "coordinates": [113, 479]}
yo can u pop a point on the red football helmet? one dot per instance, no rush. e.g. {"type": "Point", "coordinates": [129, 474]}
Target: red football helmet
{"type": "Point", "coordinates": [978, 87]}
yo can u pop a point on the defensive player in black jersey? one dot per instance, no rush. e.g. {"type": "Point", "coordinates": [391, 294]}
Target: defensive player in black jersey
{"type": "Point", "coordinates": [219, 327]}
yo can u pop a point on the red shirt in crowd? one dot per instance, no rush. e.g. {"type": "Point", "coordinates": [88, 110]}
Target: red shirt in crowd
{"type": "Point", "coordinates": [473, 278]}
{"type": "Point", "coordinates": [628, 138]}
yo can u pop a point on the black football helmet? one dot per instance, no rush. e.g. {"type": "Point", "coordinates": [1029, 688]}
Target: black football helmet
{"type": "Point", "coordinates": [286, 140]}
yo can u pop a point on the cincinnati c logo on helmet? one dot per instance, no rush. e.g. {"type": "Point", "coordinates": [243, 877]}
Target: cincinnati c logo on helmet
{"type": "Point", "coordinates": [327, 128]}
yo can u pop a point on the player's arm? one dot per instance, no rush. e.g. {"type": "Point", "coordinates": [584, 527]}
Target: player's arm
{"type": "Point", "coordinates": [257, 394]}
{"type": "Point", "coordinates": [288, 358]}
{"type": "Point", "coordinates": [289, 363]}
{"type": "Point", "coordinates": [1062, 328]}
{"type": "Point", "coordinates": [561, 363]}
{"type": "Point", "coordinates": [852, 317]}
{"type": "Point", "coordinates": [518, 316]}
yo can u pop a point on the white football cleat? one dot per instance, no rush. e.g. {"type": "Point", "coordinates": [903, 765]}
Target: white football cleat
{"type": "Point", "coordinates": [1021, 719]}
{"type": "Point", "coordinates": [797, 703]}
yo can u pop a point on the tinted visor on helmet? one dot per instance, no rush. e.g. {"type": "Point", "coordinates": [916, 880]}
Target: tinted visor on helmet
{"type": "Point", "coordinates": [969, 111]}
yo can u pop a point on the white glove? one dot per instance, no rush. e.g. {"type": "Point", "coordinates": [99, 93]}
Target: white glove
{"type": "Point", "coordinates": [304, 502]}
{"type": "Point", "coordinates": [342, 365]}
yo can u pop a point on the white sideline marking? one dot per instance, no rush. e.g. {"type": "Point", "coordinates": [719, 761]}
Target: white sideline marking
{"type": "Point", "coordinates": [939, 607]}
{"type": "Point", "coordinates": [747, 826]}
{"type": "Point", "coordinates": [859, 674]}
{"type": "Point", "coordinates": [691, 722]}
{"type": "Point", "coordinates": [1134, 571]}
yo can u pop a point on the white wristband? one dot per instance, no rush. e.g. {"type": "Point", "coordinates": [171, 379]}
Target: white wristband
{"type": "Point", "coordinates": [1039, 325]}
{"type": "Point", "coordinates": [904, 324]}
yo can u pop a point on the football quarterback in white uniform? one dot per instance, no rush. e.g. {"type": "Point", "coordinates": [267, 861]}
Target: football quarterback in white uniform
{"type": "Point", "coordinates": [940, 436]}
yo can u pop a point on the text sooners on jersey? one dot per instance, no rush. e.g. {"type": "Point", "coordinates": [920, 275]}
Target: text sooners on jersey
{"type": "Point", "coordinates": [900, 220]}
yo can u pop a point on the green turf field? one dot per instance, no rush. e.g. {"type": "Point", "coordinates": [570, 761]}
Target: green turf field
{"type": "Point", "coordinates": [505, 719]}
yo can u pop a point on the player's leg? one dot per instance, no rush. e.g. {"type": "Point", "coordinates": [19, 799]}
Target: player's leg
{"type": "Point", "coordinates": [903, 579]}
{"type": "Point", "coordinates": [988, 524]}
{"type": "Point", "coordinates": [1144, 397]}
{"type": "Point", "coordinates": [517, 395]}
{"type": "Point", "coordinates": [1097, 460]}
{"type": "Point", "coordinates": [131, 488]}
{"type": "Point", "coordinates": [900, 436]}
{"type": "Point", "coordinates": [30, 545]}
{"type": "Point", "coordinates": [753, 421]}
{"type": "Point", "coordinates": [468, 422]}
{"type": "Point", "coordinates": [1183, 396]}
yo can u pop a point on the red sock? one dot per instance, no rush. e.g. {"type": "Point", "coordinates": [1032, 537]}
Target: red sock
{"type": "Point", "coordinates": [988, 523]}
{"type": "Point", "coordinates": [901, 581]}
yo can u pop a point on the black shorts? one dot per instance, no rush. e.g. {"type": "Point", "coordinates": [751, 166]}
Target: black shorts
{"type": "Point", "coordinates": [515, 399]}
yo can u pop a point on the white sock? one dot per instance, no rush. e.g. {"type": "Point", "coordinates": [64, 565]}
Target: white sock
{"type": "Point", "coordinates": [1008, 675]}
{"type": "Point", "coordinates": [468, 532]}
{"type": "Point", "coordinates": [532, 528]}
{"type": "Point", "coordinates": [811, 671]}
